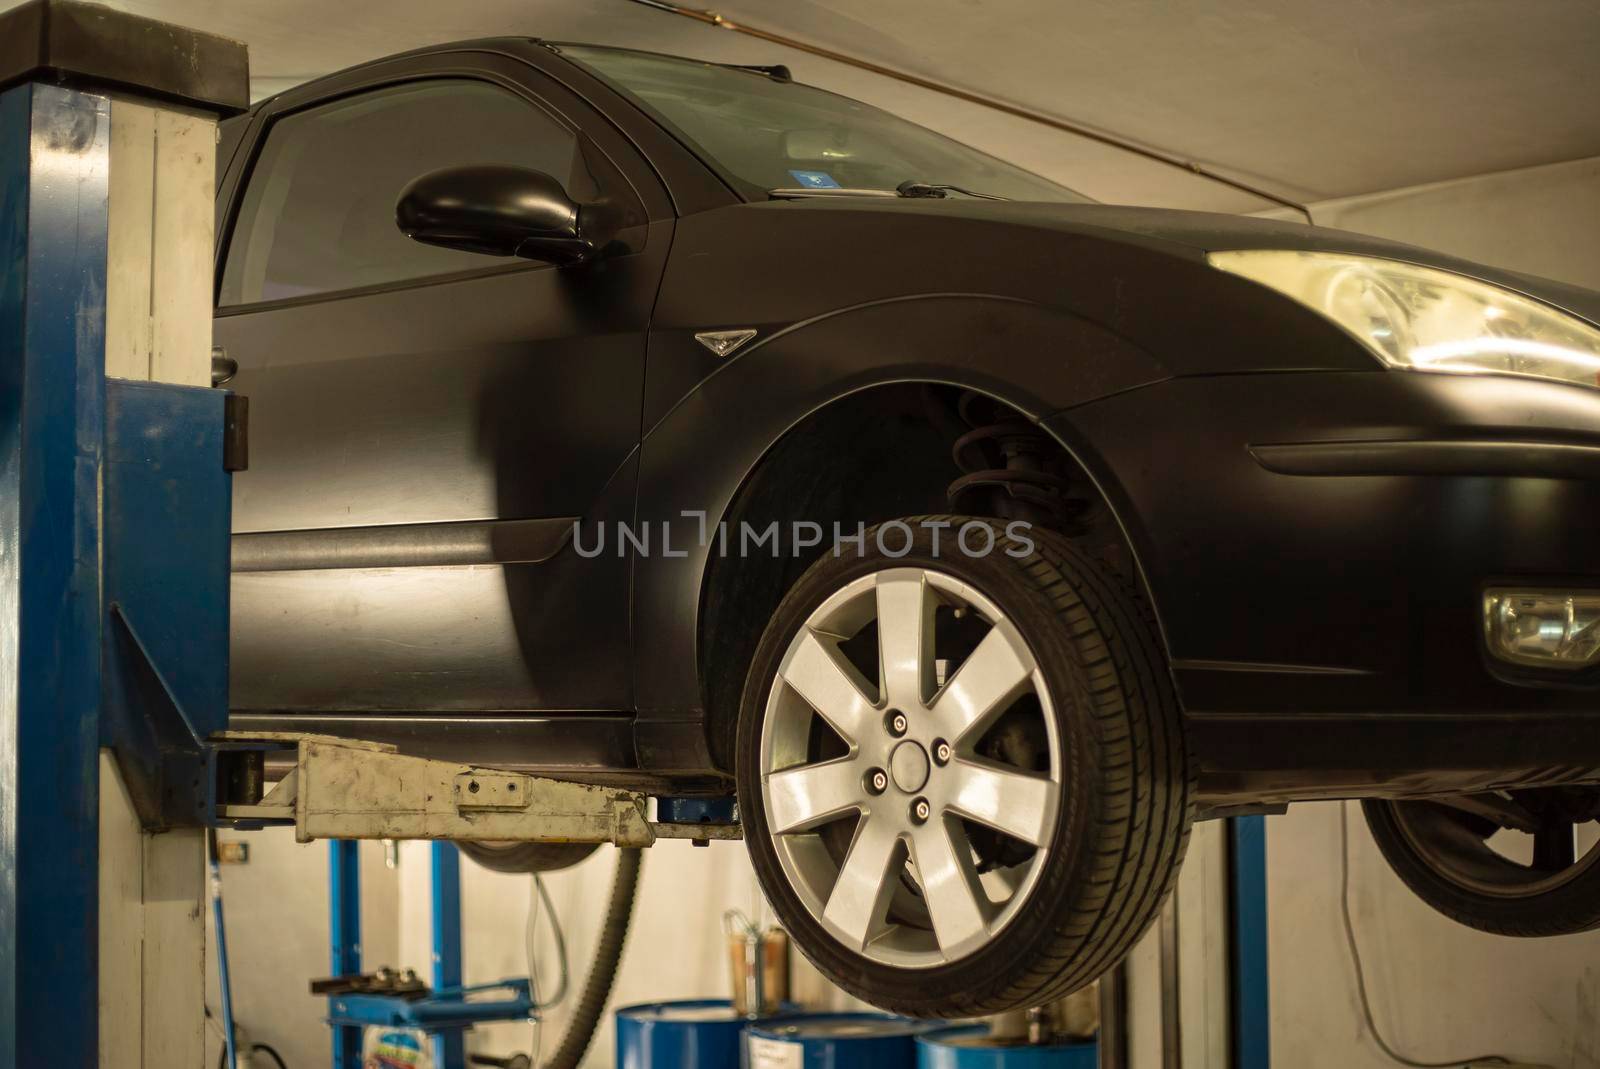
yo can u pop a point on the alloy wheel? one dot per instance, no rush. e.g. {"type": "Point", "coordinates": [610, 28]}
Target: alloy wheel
{"type": "Point", "coordinates": [911, 767]}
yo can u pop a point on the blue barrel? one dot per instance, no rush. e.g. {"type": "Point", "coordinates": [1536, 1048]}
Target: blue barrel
{"type": "Point", "coordinates": [970, 1047]}
{"type": "Point", "coordinates": [834, 1041]}
{"type": "Point", "coordinates": [693, 1034]}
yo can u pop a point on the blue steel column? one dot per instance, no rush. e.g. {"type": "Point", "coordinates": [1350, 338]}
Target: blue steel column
{"type": "Point", "coordinates": [449, 1048]}
{"type": "Point", "coordinates": [53, 167]}
{"type": "Point", "coordinates": [344, 937]}
{"type": "Point", "coordinates": [1252, 1035]}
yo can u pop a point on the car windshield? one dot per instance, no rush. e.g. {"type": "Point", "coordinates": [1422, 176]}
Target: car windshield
{"type": "Point", "coordinates": [764, 133]}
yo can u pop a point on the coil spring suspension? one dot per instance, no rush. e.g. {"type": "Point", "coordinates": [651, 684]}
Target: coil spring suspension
{"type": "Point", "coordinates": [1012, 470]}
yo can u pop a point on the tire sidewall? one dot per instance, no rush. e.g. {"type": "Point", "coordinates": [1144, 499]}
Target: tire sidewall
{"type": "Point", "coordinates": [999, 577]}
{"type": "Point", "coordinates": [1570, 908]}
{"type": "Point", "coordinates": [526, 858]}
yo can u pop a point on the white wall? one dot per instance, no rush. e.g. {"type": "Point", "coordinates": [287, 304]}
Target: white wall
{"type": "Point", "coordinates": [276, 910]}
{"type": "Point", "coordinates": [1539, 220]}
{"type": "Point", "coordinates": [1438, 990]}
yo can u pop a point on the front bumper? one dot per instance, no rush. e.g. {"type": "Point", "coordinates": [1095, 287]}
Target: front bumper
{"type": "Point", "coordinates": [1317, 546]}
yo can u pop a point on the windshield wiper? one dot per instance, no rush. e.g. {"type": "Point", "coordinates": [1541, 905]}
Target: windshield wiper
{"type": "Point", "coordinates": [913, 188]}
{"type": "Point", "coordinates": [776, 71]}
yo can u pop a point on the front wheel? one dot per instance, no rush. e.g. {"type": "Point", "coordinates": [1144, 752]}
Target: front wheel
{"type": "Point", "coordinates": [963, 776]}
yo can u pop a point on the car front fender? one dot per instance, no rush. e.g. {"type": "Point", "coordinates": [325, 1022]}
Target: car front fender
{"type": "Point", "coordinates": [697, 456]}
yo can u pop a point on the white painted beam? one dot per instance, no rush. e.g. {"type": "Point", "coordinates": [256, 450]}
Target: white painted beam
{"type": "Point", "coordinates": [158, 328]}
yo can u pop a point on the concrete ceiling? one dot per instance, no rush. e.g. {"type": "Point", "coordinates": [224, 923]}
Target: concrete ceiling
{"type": "Point", "coordinates": [1309, 98]}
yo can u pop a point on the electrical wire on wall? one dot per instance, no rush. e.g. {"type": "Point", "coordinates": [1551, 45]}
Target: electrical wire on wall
{"type": "Point", "coordinates": [1361, 979]}
{"type": "Point", "coordinates": [595, 991]}
{"type": "Point", "coordinates": [529, 933]}
{"type": "Point", "coordinates": [538, 895]}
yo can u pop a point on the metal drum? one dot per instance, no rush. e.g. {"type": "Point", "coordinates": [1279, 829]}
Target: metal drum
{"type": "Point", "coordinates": [693, 1034]}
{"type": "Point", "coordinates": [971, 1047]}
{"type": "Point", "coordinates": [834, 1041]}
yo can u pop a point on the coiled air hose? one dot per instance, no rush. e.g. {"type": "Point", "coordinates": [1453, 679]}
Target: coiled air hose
{"type": "Point", "coordinates": [608, 955]}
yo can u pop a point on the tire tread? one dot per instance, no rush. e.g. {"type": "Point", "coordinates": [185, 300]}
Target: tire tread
{"type": "Point", "coordinates": [1146, 805]}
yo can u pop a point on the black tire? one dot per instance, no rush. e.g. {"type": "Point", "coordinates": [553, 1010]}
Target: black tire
{"type": "Point", "coordinates": [1126, 801]}
{"type": "Point", "coordinates": [1481, 891]}
{"type": "Point", "coordinates": [527, 857]}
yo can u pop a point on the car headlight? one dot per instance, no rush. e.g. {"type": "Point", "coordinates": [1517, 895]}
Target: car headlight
{"type": "Point", "coordinates": [1423, 319]}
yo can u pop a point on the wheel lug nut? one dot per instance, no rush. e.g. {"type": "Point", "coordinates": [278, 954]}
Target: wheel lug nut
{"type": "Point", "coordinates": [920, 811]}
{"type": "Point", "coordinates": [941, 752]}
{"type": "Point", "coordinates": [896, 723]}
{"type": "Point", "coordinates": [877, 781]}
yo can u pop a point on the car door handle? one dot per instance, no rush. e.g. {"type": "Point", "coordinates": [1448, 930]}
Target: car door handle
{"type": "Point", "coordinates": [223, 366]}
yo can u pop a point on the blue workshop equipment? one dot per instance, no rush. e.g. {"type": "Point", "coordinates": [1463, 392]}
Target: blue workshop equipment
{"type": "Point", "coordinates": [344, 937]}
{"type": "Point", "coordinates": [675, 810]}
{"type": "Point", "coordinates": [971, 1047]}
{"type": "Point", "coordinates": [836, 1041]}
{"type": "Point", "coordinates": [687, 1034]}
{"type": "Point", "coordinates": [53, 224]}
{"type": "Point", "coordinates": [450, 1008]}
{"type": "Point", "coordinates": [1251, 1001]}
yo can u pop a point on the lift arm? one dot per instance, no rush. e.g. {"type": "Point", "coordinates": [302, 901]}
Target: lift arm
{"type": "Point", "coordinates": [350, 789]}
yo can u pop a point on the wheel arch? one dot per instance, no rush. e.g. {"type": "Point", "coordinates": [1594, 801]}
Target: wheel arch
{"type": "Point", "coordinates": [738, 593]}
{"type": "Point", "coordinates": [850, 387]}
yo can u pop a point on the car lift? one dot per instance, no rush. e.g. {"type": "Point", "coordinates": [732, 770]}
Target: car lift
{"type": "Point", "coordinates": [350, 789]}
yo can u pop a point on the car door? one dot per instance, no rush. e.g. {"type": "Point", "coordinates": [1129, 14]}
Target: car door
{"type": "Point", "coordinates": [426, 424]}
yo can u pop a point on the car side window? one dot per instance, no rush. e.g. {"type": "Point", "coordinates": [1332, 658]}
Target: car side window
{"type": "Point", "coordinates": [318, 213]}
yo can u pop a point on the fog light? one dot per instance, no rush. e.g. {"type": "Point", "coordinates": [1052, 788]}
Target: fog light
{"type": "Point", "coordinates": [1543, 627]}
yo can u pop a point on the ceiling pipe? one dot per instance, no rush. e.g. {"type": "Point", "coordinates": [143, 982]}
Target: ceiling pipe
{"type": "Point", "coordinates": [711, 18]}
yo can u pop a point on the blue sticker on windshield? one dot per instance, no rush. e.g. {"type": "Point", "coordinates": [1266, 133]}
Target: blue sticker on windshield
{"type": "Point", "coordinates": [815, 179]}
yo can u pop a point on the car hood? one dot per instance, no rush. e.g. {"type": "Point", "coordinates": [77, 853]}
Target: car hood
{"type": "Point", "coordinates": [1193, 234]}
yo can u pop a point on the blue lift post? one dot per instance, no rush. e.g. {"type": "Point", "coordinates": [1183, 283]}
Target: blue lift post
{"type": "Point", "coordinates": [69, 557]}
{"type": "Point", "coordinates": [69, 656]}
{"type": "Point", "coordinates": [344, 931]}
{"type": "Point", "coordinates": [53, 148]}
{"type": "Point", "coordinates": [449, 1048]}
{"type": "Point", "coordinates": [1252, 1036]}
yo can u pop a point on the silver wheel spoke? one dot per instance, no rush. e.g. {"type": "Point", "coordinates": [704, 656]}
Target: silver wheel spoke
{"type": "Point", "coordinates": [859, 901]}
{"type": "Point", "coordinates": [800, 798]}
{"type": "Point", "coordinates": [949, 886]}
{"type": "Point", "coordinates": [987, 681]}
{"type": "Point", "coordinates": [905, 637]}
{"type": "Point", "coordinates": [830, 685]}
{"type": "Point", "coordinates": [911, 791]}
{"type": "Point", "coordinates": [1013, 802]}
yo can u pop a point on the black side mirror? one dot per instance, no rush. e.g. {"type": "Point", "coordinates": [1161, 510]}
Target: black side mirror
{"type": "Point", "coordinates": [502, 211]}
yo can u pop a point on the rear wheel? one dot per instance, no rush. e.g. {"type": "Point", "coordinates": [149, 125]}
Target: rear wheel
{"type": "Point", "coordinates": [1511, 862]}
{"type": "Point", "coordinates": [527, 857]}
{"type": "Point", "coordinates": [963, 778]}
